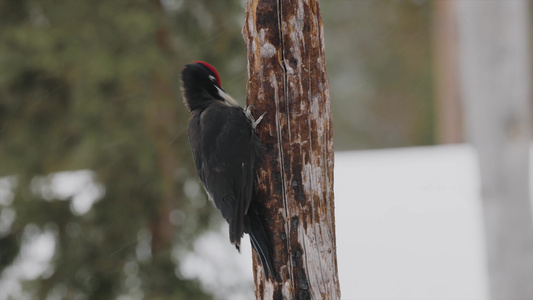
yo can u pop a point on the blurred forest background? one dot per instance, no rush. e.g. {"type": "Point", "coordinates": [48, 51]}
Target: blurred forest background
{"type": "Point", "coordinates": [94, 86]}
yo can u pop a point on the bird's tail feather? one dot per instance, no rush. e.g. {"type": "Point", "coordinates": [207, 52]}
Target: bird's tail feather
{"type": "Point", "coordinates": [260, 244]}
{"type": "Point", "coordinates": [236, 227]}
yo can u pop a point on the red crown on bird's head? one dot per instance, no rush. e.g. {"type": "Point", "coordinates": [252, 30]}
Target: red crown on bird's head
{"type": "Point", "coordinates": [210, 67]}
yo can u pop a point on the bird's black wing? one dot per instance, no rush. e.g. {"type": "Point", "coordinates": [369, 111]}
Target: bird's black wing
{"type": "Point", "coordinates": [225, 158]}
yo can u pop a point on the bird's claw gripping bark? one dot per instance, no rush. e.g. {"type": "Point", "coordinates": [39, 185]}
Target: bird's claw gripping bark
{"type": "Point", "coordinates": [256, 122]}
{"type": "Point", "coordinates": [248, 112]}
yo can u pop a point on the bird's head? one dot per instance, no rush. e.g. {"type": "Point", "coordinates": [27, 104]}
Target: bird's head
{"type": "Point", "coordinates": [201, 85]}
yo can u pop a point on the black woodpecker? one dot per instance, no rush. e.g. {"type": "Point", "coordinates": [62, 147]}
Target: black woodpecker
{"type": "Point", "coordinates": [225, 149]}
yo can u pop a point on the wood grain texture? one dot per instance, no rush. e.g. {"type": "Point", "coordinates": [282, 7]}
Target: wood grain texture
{"type": "Point", "coordinates": [287, 79]}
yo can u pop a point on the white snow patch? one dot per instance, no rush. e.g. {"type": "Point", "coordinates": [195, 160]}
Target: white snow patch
{"type": "Point", "coordinates": [79, 186]}
{"type": "Point", "coordinates": [33, 261]}
{"type": "Point", "coordinates": [219, 266]}
{"type": "Point", "coordinates": [7, 185]}
{"type": "Point", "coordinates": [409, 224]}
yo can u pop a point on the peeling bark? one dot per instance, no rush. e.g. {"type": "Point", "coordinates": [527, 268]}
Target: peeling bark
{"type": "Point", "coordinates": [287, 79]}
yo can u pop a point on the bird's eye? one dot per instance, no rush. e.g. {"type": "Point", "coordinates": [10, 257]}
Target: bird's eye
{"type": "Point", "coordinates": [213, 78]}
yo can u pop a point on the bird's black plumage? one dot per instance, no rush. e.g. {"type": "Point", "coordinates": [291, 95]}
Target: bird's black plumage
{"type": "Point", "coordinates": [225, 150]}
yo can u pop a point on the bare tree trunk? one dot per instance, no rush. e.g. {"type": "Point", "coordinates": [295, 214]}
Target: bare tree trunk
{"type": "Point", "coordinates": [287, 79]}
{"type": "Point", "coordinates": [449, 114]}
{"type": "Point", "coordinates": [158, 119]}
{"type": "Point", "coordinates": [496, 85]}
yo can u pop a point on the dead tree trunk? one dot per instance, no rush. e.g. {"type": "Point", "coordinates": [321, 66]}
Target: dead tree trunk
{"type": "Point", "coordinates": [287, 79]}
{"type": "Point", "coordinates": [496, 84]}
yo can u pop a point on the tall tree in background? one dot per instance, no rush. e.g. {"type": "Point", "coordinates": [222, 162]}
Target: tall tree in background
{"type": "Point", "coordinates": [449, 115]}
{"type": "Point", "coordinates": [287, 79]}
{"type": "Point", "coordinates": [496, 86]}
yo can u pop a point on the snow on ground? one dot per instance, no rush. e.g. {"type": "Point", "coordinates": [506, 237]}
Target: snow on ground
{"type": "Point", "coordinates": [222, 270]}
{"type": "Point", "coordinates": [408, 227]}
{"type": "Point", "coordinates": [409, 224]}
{"type": "Point", "coordinates": [38, 246]}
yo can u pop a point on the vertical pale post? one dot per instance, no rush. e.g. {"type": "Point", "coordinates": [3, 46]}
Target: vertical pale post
{"type": "Point", "coordinates": [449, 116]}
{"type": "Point", "coordinates": [496, 85]}
{"type": "Point", "coordinates": [287, 79]}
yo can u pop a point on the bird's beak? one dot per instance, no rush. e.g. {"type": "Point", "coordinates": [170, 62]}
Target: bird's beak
{"type": "Point", "coordinates": [227, 98]}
